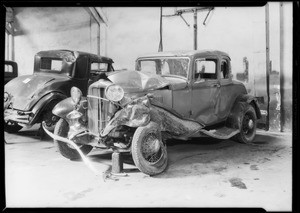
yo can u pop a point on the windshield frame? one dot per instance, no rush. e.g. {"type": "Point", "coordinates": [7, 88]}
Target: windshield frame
{"type": "Point", "coordinates": [165, 57]}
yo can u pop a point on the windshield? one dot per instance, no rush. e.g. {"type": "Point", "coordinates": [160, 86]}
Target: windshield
{"type": "Point", "coordinates": [133, 81]}
{"type": "Point", "coordinates": [164, 66]}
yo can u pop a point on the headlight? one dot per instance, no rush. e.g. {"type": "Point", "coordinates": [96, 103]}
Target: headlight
{"type": "Point", "coordinates": [76, 95]}
{"type": "Point", "coordinates": [114, 92]}
{"type": "Point", "coordinates": [6, 96]}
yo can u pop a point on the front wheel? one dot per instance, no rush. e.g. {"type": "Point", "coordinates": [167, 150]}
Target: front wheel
{"type": "Point", "coordinates": [66, 150]}
{"type": "Point", "coordinates": [248, 126]}
{"type": "Point", "coordinates": [149, 153]}
{"type": "Point", "coordinates": [11, 127]}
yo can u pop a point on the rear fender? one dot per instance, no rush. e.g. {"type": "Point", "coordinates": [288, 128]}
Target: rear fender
{"type": "Point", "coordinates": [63, 108]}
{"type": "Point", "coordinates": [238, 109]}
{"type": "Point", "coordinates": [44, 102]}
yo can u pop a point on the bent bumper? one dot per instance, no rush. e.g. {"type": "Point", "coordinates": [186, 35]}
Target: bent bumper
{"type": "Point", "coordinates": [21, 117]}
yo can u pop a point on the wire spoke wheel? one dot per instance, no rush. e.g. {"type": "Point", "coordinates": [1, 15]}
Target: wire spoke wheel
{"type": "Point", "coordinates": [149, 153]}
{"type": "Point", "coordinates": [151, 149]}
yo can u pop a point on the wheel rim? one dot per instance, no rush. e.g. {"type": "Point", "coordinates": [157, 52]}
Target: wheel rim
{"type": "Point", "coordinates": [248, 125]}
{"type": "Point", "coordinates": [151, 148]}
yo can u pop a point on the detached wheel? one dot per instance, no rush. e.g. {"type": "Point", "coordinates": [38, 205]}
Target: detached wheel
{"type": "Point", "coordinates": [149, 153]}
{"type": "Point", "coordinates": [248, 126]}
{"type": "Point", "coordinates": [11, 127]}
{"type": "Point", "coordinates": [66, 150]}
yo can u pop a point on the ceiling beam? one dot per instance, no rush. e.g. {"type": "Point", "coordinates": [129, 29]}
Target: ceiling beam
{"type": "Point", "coordinates": [97, 14]}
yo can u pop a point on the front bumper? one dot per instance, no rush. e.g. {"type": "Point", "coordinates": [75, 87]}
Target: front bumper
{"type": "Point", "coordinates": [21, 117]}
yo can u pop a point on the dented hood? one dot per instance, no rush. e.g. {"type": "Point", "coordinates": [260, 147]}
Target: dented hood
{"type": "Point", "coordinates": [25, 89]}
{"type": "Point", "coordinates": [135, 81]}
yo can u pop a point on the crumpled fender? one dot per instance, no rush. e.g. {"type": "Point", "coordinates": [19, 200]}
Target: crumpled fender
{"type": "Point", "coordinates": [67, 105]}
{"type": "Point", "coordinates": [134, 114]}
{"type": "Point", "coordinates": [140, 112]}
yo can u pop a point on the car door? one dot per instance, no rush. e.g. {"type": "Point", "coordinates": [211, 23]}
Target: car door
{"type": "Point", "coordinates": [205, 90]}
{"type": "Point", "coordinates": [229, 91]}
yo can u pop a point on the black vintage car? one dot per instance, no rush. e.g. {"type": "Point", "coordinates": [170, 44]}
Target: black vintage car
{"type": "Point", "coordinates": [29, 99]}
{"type": "Point", "coordinates": [10, 71]}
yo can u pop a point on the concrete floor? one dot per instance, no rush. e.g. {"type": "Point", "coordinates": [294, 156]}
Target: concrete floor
{"type": "Point", "coordinates": [201, 173]}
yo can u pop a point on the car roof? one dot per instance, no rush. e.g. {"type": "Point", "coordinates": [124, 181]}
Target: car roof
{"type": "Point", "coordinates": [189, 53]}
{"type": "Point", "coordinates": [57, 53]}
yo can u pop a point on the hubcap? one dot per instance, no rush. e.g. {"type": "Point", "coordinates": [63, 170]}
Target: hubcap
{"type": "Point", "coordinates": [151, 148]}
{"type": "Point", "coordinates": [250, 124]}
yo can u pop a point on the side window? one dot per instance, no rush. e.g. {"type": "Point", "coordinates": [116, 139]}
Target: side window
{"type": "Point", "coordinates": [205, 69]}
{"type": "Point", "coordinates": [8, 68]}
{"type": "Point", "coordinates": [99, 67]}
{"type": "Point", "coordinates": [165, 69]}
{"type": "Point", "coordinates": [224, 69]}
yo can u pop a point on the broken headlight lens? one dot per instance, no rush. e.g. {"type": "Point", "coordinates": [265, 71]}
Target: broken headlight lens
{"type": "Point", "coordinates": [114, 92]}
{"type": "Point", "coordinates": [6, 96]}
{"type": "Point", "coordinates": [76, 95]}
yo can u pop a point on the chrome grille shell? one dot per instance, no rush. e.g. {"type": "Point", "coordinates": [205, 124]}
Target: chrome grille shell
{"type": "Point", "coordinates": [98, 106]}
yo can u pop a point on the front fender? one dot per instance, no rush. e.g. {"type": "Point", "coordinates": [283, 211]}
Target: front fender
{"type": "Point", "coordinates": [134, 114]}
{"type": "Point", "coordinates": [63, 108]}
{"type": "Point", "coordinates": [42, 104]}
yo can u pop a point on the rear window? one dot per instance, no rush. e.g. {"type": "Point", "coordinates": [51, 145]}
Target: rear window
{"type": "Point", "coordinates": [8, 68]}
{"type": "Point", "coordinates": [99, 67]}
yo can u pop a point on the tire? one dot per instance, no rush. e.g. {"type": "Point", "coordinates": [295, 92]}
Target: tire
{"type": "Point", "coordinates": [62, 129]}
{"type": "Point", "coordinates": [48, 117]}
{"type": "Point", "coordinates": [12, 127]}
{"type": "Point", "coordinates": [143, 152]}
{"type": "Point", "coordinates": [247, 126]}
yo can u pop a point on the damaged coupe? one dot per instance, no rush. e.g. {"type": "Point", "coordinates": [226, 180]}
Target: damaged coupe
{"type": "Point", "coordinates": [169, 95]}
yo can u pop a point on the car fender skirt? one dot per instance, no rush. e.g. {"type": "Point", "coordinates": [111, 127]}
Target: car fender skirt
{"type": "Point", "coordinates": [140, 112]}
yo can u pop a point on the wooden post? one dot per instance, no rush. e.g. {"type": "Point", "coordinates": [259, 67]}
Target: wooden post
{"type": "Point", "coordinates": [281, 77]}
{"type": "Point", "coordinates": [267, 65]}
{"type": "Point", "coordinates": [195, 29]}
{"type": "Point", "coordinates": [160, 48]}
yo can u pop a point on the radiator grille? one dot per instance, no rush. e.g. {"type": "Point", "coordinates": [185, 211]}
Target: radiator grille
{"type": "Point", "coordinates": [97, 110]}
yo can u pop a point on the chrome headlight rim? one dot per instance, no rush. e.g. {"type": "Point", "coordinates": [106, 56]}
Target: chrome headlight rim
{"type": "Point", "coordinates": [6, 96]}
{"type": "Point", "coordinates": [76, 95]}
{"type": "Point", "coordinates": [109, 91]}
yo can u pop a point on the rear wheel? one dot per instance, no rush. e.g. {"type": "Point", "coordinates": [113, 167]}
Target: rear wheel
{"type": "Point", "coordinates": [66, 150]}
{"type": "Point", "coordinates": [248, 126]}
{"type": "Point", "coordinates": [149, 153]}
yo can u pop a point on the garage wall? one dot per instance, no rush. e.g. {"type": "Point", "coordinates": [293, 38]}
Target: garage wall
{"type": "Point", "coordinates": [52, 28]}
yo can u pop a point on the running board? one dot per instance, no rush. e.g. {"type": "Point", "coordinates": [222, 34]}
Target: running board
{"type": "Point", "coordinates": [222, 133]}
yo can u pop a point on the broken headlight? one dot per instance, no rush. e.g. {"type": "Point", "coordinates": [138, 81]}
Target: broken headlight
{"type": "Point", "coordinates": [76, 95]}
{"type": "Point", "coordinates": [114, 93]}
